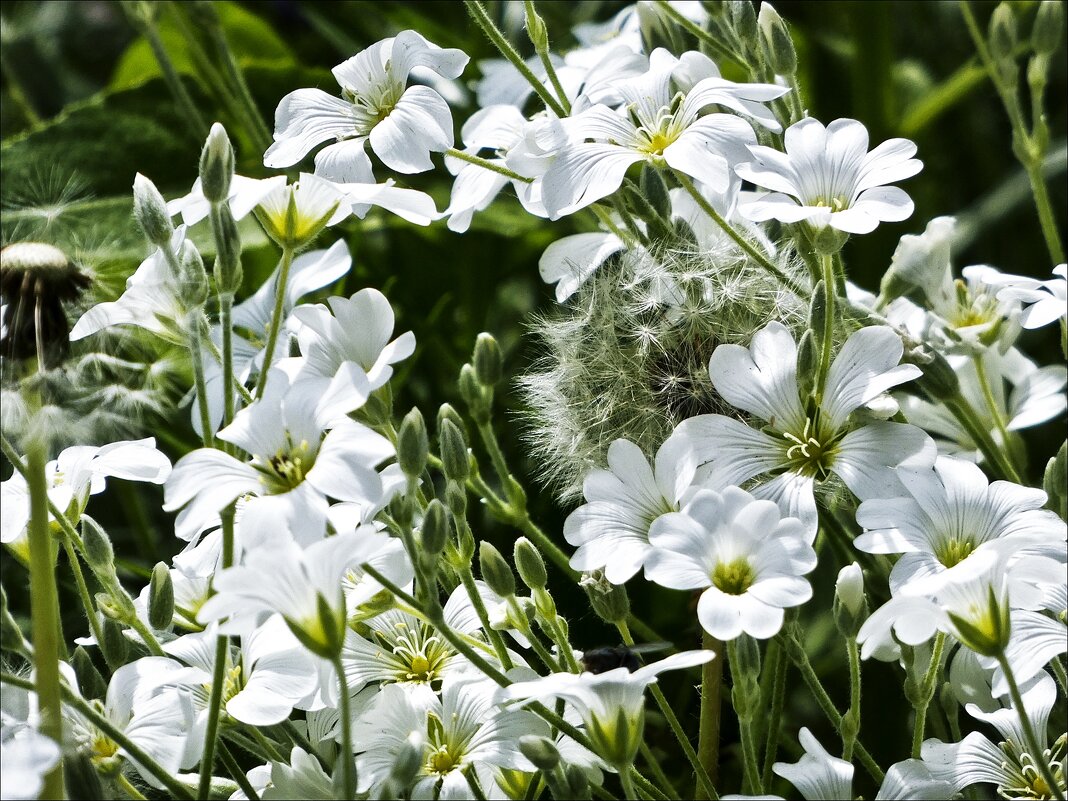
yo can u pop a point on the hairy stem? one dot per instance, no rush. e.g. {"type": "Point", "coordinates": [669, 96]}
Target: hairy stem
{"type": "Point", "coordinates": [276, 319]}
{"type": "Point", "coordinates": [708, 733]}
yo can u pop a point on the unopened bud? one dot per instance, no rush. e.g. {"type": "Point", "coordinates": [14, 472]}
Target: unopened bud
{"type": "Point", "coordinates": [83, 771]}
{"type": "Point", "coordinates": [495, 570]}
{"type": "Point", "coordinates": [456, 498]}
{"type": "Point", "coordinates": [747, 658]}
{"type": "Point", "coordinates": [412, 444]}
{"type": "Point", "coordinates": [530, 565]}
{"type": "Point", "coordinates": [216, 165]}
{"type": "Point", "coordinates": [150, 210]}
{"type": "Point", "coordinates": [1055, 482]}
{"type": "Point", "coordinates": [90, 682]}
{"type": "Point", "coordinates": [539, 750]}
{"type": "Point", "coordinates": [160, 597]}
{"type": "Point", "coordinates": [778, 45]}
{"type": "Point", "coordinates": [1049, 21]}
{"type": "Point", "coordinates": [435, 530]}
{"type": "Point", "coordinates": [406, 763]}
{"type": "Point", "coordinates": [114, 645]}
{"type": "Point", "coordinates": [448, 412]}
{"type": "Point", "coordinates": [609, 601]}
{"type": "Point", "coordinates": [817, 312]}
{"type": "Point", "coordinates": [536, 30]}
{"type": "Point", "coordinates": [487, 360]}
{"type": "Point", "coordinates": [474, 395]}
{"type": "Point", "coordinates": [807, 361]}
{"type": "Point", "coordinates": [99, 553]}
{"type": "Point", "coordinates": [744, 22]}
{"type": "Point", "coordinates": [1003, 35]}
{"type": "Point", "coordinates": [454, 455]}
{"type": "Point", "coordinates": [193, 279]}
{"type": "Point", "coordinates": [850, 609]}
{"type": "Point", "coordinates": [228, 273]}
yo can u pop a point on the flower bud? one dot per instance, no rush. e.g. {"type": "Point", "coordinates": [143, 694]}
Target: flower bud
{"type": "Point", "coordinates": [474, 395]}
{"type": "Point", "coordinates": [746, 658]}
{"type": "Point", "coordinates": [530, 565]}
{"type": "Point", "coordinates": [160, 597]}
{"type": "Point", "coordinates": [1003, 34]}
{"type": "Point", "coordinates": [114, 646]}
{"type": "Point", "coordinates": [150, 210]}
{"type": "Point", "coordinates": [456, 498]}
{"type": "Point", "coordinates": [448, 412]}
{"type": "Point", "coordinates": [412, 444]}
{"type": "Point", "coordinates": [193, 279]}
{"type": "Point", "coordinates": [99, 553]}
{"type": "Point", "coordinates": [454, 455]}
{"type": "Point", "coordinates": [609, 601]}
{"type": "Point", "coordinates": [495, 571]}
{"type": "Point", "coordinates": [83, 771]}
{"type": "Point", "coordinates": [850, 608]}
{"type": "Point", "coordinates": [435, 530]}
{"type": "Point", "coordinates": [116, 606]}
{"type": "Point", "coordinates": [1055, 482]}
{"type": "Point", "coordinates": [817, 312]}
{"type": "Point", "coordinates": [406, 764]}
{"type": "Point", "coordinates": [744, 22]}
{"type": "Point", "coordinates": [577, 782]}
{"type": "Point", "coordinates": [487, 360]}
{"type": "Point", "coordinates": [539, 36]}
{"type": "Point", "coordinates": [545, 606]}
{"type": "Point", "coordinates": [939, 380]}
{"type": "Point", "coordinates": [807, 361]}
{"type": "Point", "coordinates": [1046, 33]}
{"type": "Point", "coordinates": [90, 682]}
{"type": "Point", "coordinates": [778, 46]}
{"type": "Point", "coordinates": [216, 165]}
{"type": "Point", "coordinates": [227, 269]}
{"type": "Point", "coordinates": [539, 750]}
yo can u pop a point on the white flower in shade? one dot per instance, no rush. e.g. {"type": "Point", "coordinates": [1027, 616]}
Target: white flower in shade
{"type": "Point", "coordinates": [466, 730]}
{"type": "Point", "coordinates": [748, 560]}
{"type": "Point", "coordinates": [818, 776]}
{"type": "Point", "coordinates": [794, 449]}
{"type": "Point", "coordinates": [245, 195]}
{"type": "Point", "coordinates": [358, 329]}
{"type": "Point", "coordinates": [611, 704]}
{"type": "Point", "coordinates": [153, 300]}
{"type": "Point", "coordinates": [659, 127]}
{"type": "Point", "coordinates": [611, 529]}
{"type": "Point", "coordinates": [828, 177]}
{"type": "Point", "coordinates": [24, 760]}
{"type": "Point", "coordinates": [77, 473]}
{"type": "Point", "coordinates": [402, 124]}
{"type": "Point", "coordinates": [568, 262]}
{"type": "Point", "coordinates": [303, 586]}
{"type": "Point", "coordinates": [949, 515]}
{"type": "Point", "coordinates": [296, 461]}
{"type": "Point", "coordinates": [1046, 301]}
{"type": "Point", "coordinates": [1009, 765]}
{"type": "Point", "coordinates": [294, 214]}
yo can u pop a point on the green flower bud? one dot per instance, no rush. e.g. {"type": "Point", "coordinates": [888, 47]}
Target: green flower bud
{"type": "Point", "coordinates": [112, 607]}
{"type": "Point", "coordinates": [476, 397]}
{"type": "Point", "coordinates": [747, 658]}
{"type": "Point", "coordinates": [545, 606]}
{"type": "Point", "coordinates": [379, 407]}
{"type": "Point", "coordinates": [456, 498]}
{"type": "Point", "coordinates": [1055, 482]}
{"type": "Point", "coordinates": [530, 565]}
{"type": "Point", "coordinates": [850, 607]}
{"type": "Point", "coordinates": [1049, 22]}
{"type": "Point", "coordinates": [744, 22]}
{"type": "Point", "coordinates": [217, 165]}
{"type": "Point", "coordinates": [609, 601]}
{"type": "Point", "coordinates": [539, 36]}
{"type": "Point", "coordinates": [81, 771]}
{"type": "Point", "coordinates": [228, 273]}
{"type": "Point", "coordinates": [495, 570]}
{"type": "Point", "coordinates": [655, 191]}
{"type": "Point", "coordinates": [160, 597]}
{"type": "Point", "coordinates": [817, 312]}
{"type": "Point", "coordinates": [539, 750]}
{"type": "Point", "coordinates": [412, 444]}
{"type": "Point", "coordinates": [1003, 33]}
{"type": "Point", "coordinates": [435, 530]}
{"type": "Point", "coordinates": [193, 279]}
{"type": "Point", "coordinates": [99, 553]}
{"type": "Point", "coordinates": [114, 646]}
{"type": "Point", "coordinates": [401, 510]}
{"type": "Point", "coordinates": [487, 360]}
{"type": "Point", "coordinates": [939, 381]}
{"type": "Point", "coordinates": [90, 682]}
{"type": "Point", "coordinates": [807, 361]}
{"type": "Point", "coordinates": [448, 412]}
{"type": "Point", "coordinates": [150, 211]}
{"type": "Point", "coordinates": [778, 46]}
{"type": "Point", "coordinates": [577, 783]}
{"type": "Point", "coordinates": [406, 764]}
{"type": "Point", "coordinates": [454, 454]}
{"type": "Point", "coordinates": [828, 240]}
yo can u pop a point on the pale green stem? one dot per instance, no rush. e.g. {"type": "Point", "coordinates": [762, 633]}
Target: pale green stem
{"type": "Point", "coordinates": [628, 784]}
{"type": "Point", "coordinates": [604, 216]}
{"type": "Point", "coordinates": [500, 466]}
{"type": "Point", "coordinates": [1033, 744]}
{"type": "Point", "coordinates": [72, 699]}
{"type": "Point", "coordinates": [973, 424]}
{"type": "Point", "coordinates": [657, 771]}
{"type": "Point", "coordinates": [1060, 674]}
{"type": "Point", "coordinates": [708, 732]}
{"type": "Point", "coordinates": [827, 334]}
{"type": "Point", "coordinates": [276, 318]}
{"type": "Point", "coordinates": [196, 336]}
{"type": "Point", "coordinates": [468, 580]}
{"type": "Point", "coordinates": [745, 727]}
{"type": "Point", "coordinates": [479, 15]}
{"type": "Point", "coordinates": [778, 700]}
{"type": "Point", "coordinates": [147, 636]}
{"type": "Point", "coordinates": [44, 612]}
{"type": "Point", "coordinates": [700, 33]}
{"type": "Point", "coordinates": [567, 653]}
{"type": "Point", "coordinates": [234, 769]}
{"type": "Point", "coordinates": [86, 598]}
{"type": "Point", "coordinates": [992, 405]}
{"type": "Point", "coordinates": [854, 696]}
{"type": "Point", "coordinates": [226, 307]}
{"type": "Point", "coordinates": [934, 669]}
{"type": "Point", "coordinates": [740, 240]}
{"type": "Point", "coordinates": [128, 788]}
{"type": "Point", "coordinates": [486, 164]}
{"type": "Point", "coordinates": [550, 70]}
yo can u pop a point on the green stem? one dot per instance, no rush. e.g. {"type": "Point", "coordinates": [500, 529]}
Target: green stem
{"type": "Point", "coordinates": [486, 164]}
{"type": "Point", "coordinates": [196, 336]}
{"type": "Point", "coordinates": [234, 769]}
{"type": "Point", "coordinates": [151, 643]}
{"type": "Point", "coordinates": [740, 240]}
{"type": "Point", "coordinates": [657, 771]}
{"type": "Point", "coordinates": [86, 599]}
{"type": "Point", "coordinates": [708, 732]}
{"type": "Point", "coordinates": [827, 334]}
{"type": "Point", "coordinates": [113, 733]}
{"type": "Point", "coordinates": [128, 788]}
{"type": "Point", "coordinates": [628, 784]}
{"type": "Point", "coordinates": [44, 611]}
{"type": "Point", "coordinates": [745, 726]}
{"type": "Point", "coordinates": [218, 679]}
{"type": "Point", "coordinates": [479, 15]}
{"type": "Point", "coordinates": [1060, 674]}
{"type": "Point", "coordinates": [778, 700]}
{"type": "Point", "coordinates": [348, 760]}
{"type": "Point", "coordinates": [854, 696]}
{"type": "Point", "coordinates": [495, 638]}
{"type": "Point", "coordinates": [967, 417]}
{"type": "Point", "coordinates": [1033, 744]}
{"type": "Point", "coordinates": [276, 318]}
{"type": "Point", "coordinates": [543, 53]}
{"type": "Point", "coordinates": [1045, 211]}
{"type": "Point", "coordinates": [226, 307]}
{"type": "Point", "coordinates": [703, 36]}
{"type": "Point", "coordinates": [500, 467]}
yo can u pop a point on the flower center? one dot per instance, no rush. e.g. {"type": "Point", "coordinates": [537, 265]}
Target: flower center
{"type": "Point", "coordinates": [954, 551]}
{"type": "Point", "coordinates": [812, 452]}
{"type": "Point", "coordinates": [441, 761]}
{"type": "Point", "coordinates": [733, 578]}
{"type": "Point", "coordinates": [287, 468]}
{"type": "Point", "coordinates": [419, 654]}
{"type": "Point", "coordinates": [978, 308]}
{"type": "Point", "coordinates": [370, 108]}
{"type": "Point", "coordinates": [835, 204]}
{"type": "Point", "coordinates": [1022, 776]}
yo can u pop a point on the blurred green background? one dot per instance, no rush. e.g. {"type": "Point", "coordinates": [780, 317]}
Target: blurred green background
{"type": "Point", "coordinates": [84, 109]}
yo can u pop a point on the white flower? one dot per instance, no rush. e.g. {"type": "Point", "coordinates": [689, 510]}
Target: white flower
{"type": "Point", "coordinates": [1009, 765]}
{"type": "Point", "coordinates": [245, 195]}
{"type": "Point", "coordinates": [568, 262]}
{"type": "Point", "coordinates": [403, 124]}
{"type": "Point", "coordinates": [1048, 300]}
{"type": "Point", "coordinates": [828, 177]}
{"type": "Point", "coordinates": [359, 331]}
{"type": "Point", "coordinates": [611, 529]}
{"type": "Point", "coordinates": [951, 514]}
{"type": "Point", "coordinates": [611, 704]}
{"type": "Point", "coordinates": [793, 449]}
{"type": "Point", "coordinates": [294, 214]}
{"type": "Point", "coordinates": [749, 559]}
{"type": "Point", "coordinates": [466, 730]}
{"type": "Point", "coordinates": [659, 128]}
{"type": "Point", "coordinates": [296, 462]}
{"type": "Point", "coordinates": [77, 473]}
{"type": "Point", "coordinates": [24, 760]}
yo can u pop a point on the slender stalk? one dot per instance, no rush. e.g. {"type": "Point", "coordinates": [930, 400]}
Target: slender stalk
{"type": "Point", "coordinates": [348, 762]}
{"type": "Point", "coordinates": [992, 406]}
{"type": "Point", "coordinates": [44, 612]}
{"type": "Point", "coordinates": [827, 334]}
{"type": "Point", "coordinates": [196, 337]}
{"type": "Point", "coordinates": [1060, 674]}
{"type": "Point", "coordinates": [276, 319]}
{"type": "Point", "coordinates": [854, 696]}
{"type": "Point", "coordinates": [468, 580]}
{"type": "Point", "coordinates": [500, 466]}
{"type": "Point", "coordinates": [235, 771]}
{"type": "Point", "coordinates": [970, 421]}
{"type": "Point", "coordinates": [75, 701]}
{"type": "Point", "coordinates": [708, 733]}
{"type": "Point", "coordinates": [226, 308]}
{"type": "Point", "coordinates": [128, 788]}
{"type": "Point", "coordinates": [740, 240]}
{"type": "Point", "coordinates": [628, 784]}
{"type": "Point", "coordinates": [703, 36]}
{"type": "Point", "coordinates": [543, 53]}
{"type": "Point", "coordinates": [265, 744]}
{"type": "Point", "coordinates": [778, 700]}
{"type": "Point", "coordinates": [657, 771]}
{"type": "Point", "coordinates": [1033, 744]}
{"type": "Point", "coordinates": [151, 643]}
{"type": "Point", "coordinates": [486, 164]}
{"type": "Point", "coordinates": [83, 594]}
{"type": "Point", "coordinates": [479, 15]}
{"type": "Point", "coordinates": [745, 727]}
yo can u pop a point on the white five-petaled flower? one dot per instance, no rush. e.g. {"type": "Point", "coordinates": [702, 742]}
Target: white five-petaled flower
{"type": "Point", "coordinates": [794, 448]}
{"type": "Point", "coordinates": [77, 473]}
{"type": "Point", "coordinates": [748, 559]}
{"type": "Point", "coordinates": [1047, 300]}
{"type": "Point", "coordinates": [611, 529]}
{"type": "Point", "coordinates": [403, 124]}
{"type": "Point", "coordinates": [661, 128]}
{"type": "Point", "coordinates": [24, 760]}
{"type": "Point", "coordinates": [828, 177]}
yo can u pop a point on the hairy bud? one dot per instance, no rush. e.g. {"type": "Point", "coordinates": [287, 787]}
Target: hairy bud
{"type": "Point", "coordinates": [488, 361]}
{"type": "Point", "coordinates": [216, 165]}
{"type": "Point", "coordinates": [90, 682]}
{"type": "Point", "coordinates": [412, 444]}
{"type": "Point", "coordinates": [539, 750]}
{"type": "Point", "coordinates": [435, 530]}
{"type": "Point", "coordinates": [495, 570]}
{"type": "Point", "coordinates": [1049, 22]}
{"type": "Point", "coordinates": [160, 597]}
{"type": "Point", "coordinates": [150, 211]}
{"type": "Point", "coordinates": [454, 455]}
{"type": "Point", "coordinates": [99, 553]}
{"type": "Point", "coordinates": [778, 46]}
{"type": "Point", "coordinates": [530, 565]}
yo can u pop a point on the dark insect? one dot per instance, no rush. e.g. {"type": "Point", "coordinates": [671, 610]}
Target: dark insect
{"type": "Point", "coordinates": [610, 657]}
